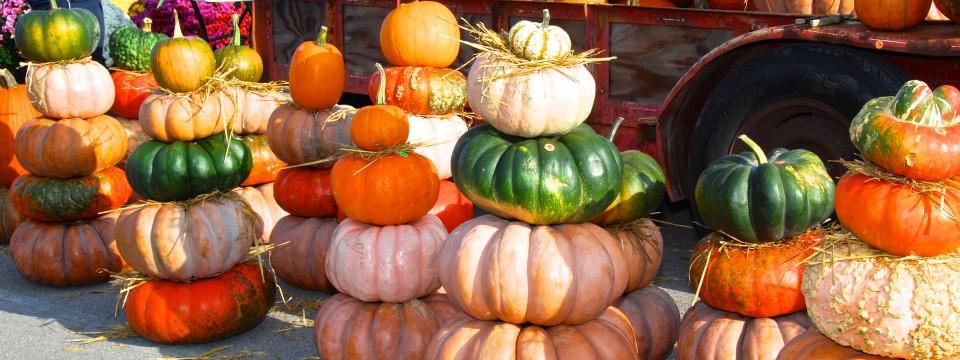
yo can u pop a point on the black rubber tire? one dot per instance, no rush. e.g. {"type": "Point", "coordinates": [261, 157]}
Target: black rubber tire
{"type": "Point", "coordinates": [841, 78]}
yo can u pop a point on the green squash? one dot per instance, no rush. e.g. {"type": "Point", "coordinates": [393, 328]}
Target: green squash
{"type": "Point", "coordinates": [569, 178]}
{"type": "Point", "coordinates": [57, 34]}
{"type": "Point", "coordinates": [243, 62]}
{"type": "Point", "coordinates": [758, 199]}
{"type": "Point", "coordinates": [131, 47]}
{"type": "Point", "coordinates": [182, 170]}
{"type": "Point", "coordinates": [642, 189]}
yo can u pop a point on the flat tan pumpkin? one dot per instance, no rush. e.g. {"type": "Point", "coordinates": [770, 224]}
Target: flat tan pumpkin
{"type": "Point", "coordinates": [298, 136]}
{"type": "Point", "coordinates": [655, 320]}
{"type": "Point", "coordinates": [642, 245]}
{"type": "Point", "coordinates": [261, 200]}
{"type": "Point", "coordinates": [707, 333]}
{"type": "Point", "coordinates": [70, 147]}
{"type": "Point", "coordinates": [301, 253]}
{"type": "Point", "coordinates": [170, 118]}
{"type": "Point", "coordinates": [254, 109]}
{"type": "Point", "coordinates": [75, 90]}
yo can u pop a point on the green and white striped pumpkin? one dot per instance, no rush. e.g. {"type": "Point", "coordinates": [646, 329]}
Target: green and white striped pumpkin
{"type": "Point", "coordinates": [534, 41]}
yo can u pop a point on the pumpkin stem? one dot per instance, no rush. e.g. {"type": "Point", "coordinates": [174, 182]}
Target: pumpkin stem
{"type": "Point", "coordinates": [614, 128]}
{"type": "Point", "coordinates": [53, 5]}
{"type": "Point", "coordinates": [7, 81]}
{"type": "Point", "coordinates": [322, 36]}
{"type": "Point", "coordinates": [382, 88]}
{"type": "Point", "coordinates": [546, 19]}
{"type": "Point", "coordinates": [177, 33]}
{"type": "Point", "coordinates": [761, 157]}
{"type": "Point", "coordinates": [147, 24]}
{"type": "Point", "coordinates": [236, 30]}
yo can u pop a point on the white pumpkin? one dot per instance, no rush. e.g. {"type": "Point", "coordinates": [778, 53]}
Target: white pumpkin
{"type": "Point", "coordinates": [254, 110]}
{"type": "Point", "coordinates": [533, 41]}
{"type": "Point", "coordinates": [443, 132]}
{"type": "Point", "coordinates": [541, 103]}
{"type": "Point", "coordinates": [74, 90]}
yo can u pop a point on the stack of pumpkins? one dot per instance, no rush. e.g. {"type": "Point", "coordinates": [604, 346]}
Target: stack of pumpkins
{"type": "Point", "coordinates": [890, 287]}
{"type": "Point", "coordinates": [193, 235]}
{"type": "Point", "coordinates": [536, 277]}
{"type": "Point", "coordinates": [70, 152]}
{"type": "Point", "coordinates": [748, 272]}
{"type": "Point", "coordinates": [130, 48]}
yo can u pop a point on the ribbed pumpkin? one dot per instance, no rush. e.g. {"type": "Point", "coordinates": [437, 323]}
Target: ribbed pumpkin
{"type": "Point", "coordinates": [642, 188]}
{"type": "Point", "coordinates": [420, 33]}
{"type": "Point", "coordinates": [422, 90]}
{"type": "Point", "coordinates": [347, 329]}
{"type": "Point", "coordinates": [170, 118]}
{"type": "Point", "coordinates": [305, 192]}
{"type": "Point", "coordinates": [266, 166]}
{"type": "Point", "coordinates": [452, 208]}
{"type": "Point", "coordinates": [538, 41]}
{"type": "Point", "coordinates": [9, 217]}
{"type": "Point", "coordinates": [182, 64]}
{"type": "Point", "coordinates": [707, 333]}
{"type": "Point", "coordinates": [182, 170]}
{"type": "Point", "coordinates": [130, 47]}
{"type": "Point", "coordinates": [406, 184]}
{"type": "Point", "coordinates": [70, 147]}
{"type": "Point", "coordinates": [15, 110]}
{"type": "Point", "coordinates": [655, 320]}
{"type": "Point", "coordinates": [254, 109]}
{"type": "Point", "coordinates": [301, 254]}
{"type": "Point", "coordinates": [79, 198]}
{"type": "Point", "coordinates": [131, 90]}
{"type": "Point", "coordinates": [813, 345]}
{"type": "Point", "coordinates": [545, 275]}
{"type": "Point", "coordinates": [73, 90]}
{"type": "Point", "coordinates": [261, 200]}
{"type": "Point", "coordinates": [169, 312]}
{"type": "Point", "coordinates": [891, 15]}
{"type": "Point", "coordinates": [757, 198]}
{"type": "Point", "coordinates": [570, 178]}
{"type": "Point", "coordinates": [298, 136]}
{"type": "Point", "coordinates": [608, 336]}
{"type": "Point", "coordinates": [379, 126]}
{"type": "Point", "coordinates": [57, 34]}
{"type": "Point", "coordinates": [642, 245]}
{"type": "Point", "coordinates": [806, 7]}
{"type": "Point", "coordinates": [386, 263]}
{"type": "Point", "coordinates": [239, 61]}
{"type": "Point", "coordinates": [184, 242]}
{"type": "Point", "coordinates": [440, 134]}
{"type": "Point", "coordinates": [317, 62]}
{"type": "Point", "coordinates": [68, 254]}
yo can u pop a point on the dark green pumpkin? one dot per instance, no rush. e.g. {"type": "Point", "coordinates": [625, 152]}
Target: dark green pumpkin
{"type": "Point", "coordinates": [642, 188]}
{"type": "Point", "coordinates": [243, 62]}
{"type": "Point", "coordinates": [549, 180]}
{"type": "Point", "coordinates": [182, 170]}
{"type": "Point", "coordinates": [57, 34]}
{"type": "Point", "coordinates": [77, 198]}
{"type": "Point", "coordinates": [759, 198]}
{"type": "Point", "coordinates": [130, 47]}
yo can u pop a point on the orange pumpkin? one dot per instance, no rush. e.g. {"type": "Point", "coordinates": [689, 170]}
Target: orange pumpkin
{"type": "Point", "coordinates": [70, 147]}
{"type": "Point", "coordinates": [420, 33]}
{"type": "Point", "coordinates": [452, 207]}
{"type": "Point", "coordinates": [9, 217]}
{"type": "Point", "coordinates": [317, 62]}
{"type": "Point", "coordinates": [892, 15]}
{"type": "Point", "coordinates": [266, 166]}
{"type": "Point", "coordinates": [392, 189]}
{"type": "Point", "coordinates": [15, 110]}
{"type": "Point", "coordinates": [131, 90]}
{"type": "Point", "coordinates": [380, 126]}
{"type": "Point", "coordinates": [301, 253]}
{"type": "Point", "coordinates": [305, 192]}
{"type": "Point", "coordinates": [655, 320]}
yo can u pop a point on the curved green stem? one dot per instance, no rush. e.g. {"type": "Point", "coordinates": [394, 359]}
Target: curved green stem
{"type": "Point", "coordinates": [614, 128]}
{"type": "Point", "coordinates": [53, 5]}
{"type": "Point", "coordinates": [236, 30]}
{"type": "Point", "coordinates": [7, 81]}
{"type": "Point", "coordinates": [382, 88]}
{"type": "Point", "coordinates": [546, 19]}
{"type": "Point", "coordinates": [147, 24]}
{"type": "Point", "coordinates": [754, 148]}
{"type": "Point", "coordinates": [177, 33]}
{"type": "Point", "coordinates": [322, 36]}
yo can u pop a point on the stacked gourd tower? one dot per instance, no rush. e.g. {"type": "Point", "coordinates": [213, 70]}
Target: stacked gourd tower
{"type": "Point", "coordinates": [889, 283]}
{"type": "Point", "coordinates": [70, 152]}
{"type": "Point", "coordinates": [193, 235]}
{"type": "Point", "coordinates": [748, 272]}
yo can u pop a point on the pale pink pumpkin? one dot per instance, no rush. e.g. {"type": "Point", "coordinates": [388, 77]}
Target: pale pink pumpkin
{"type": "Point", "coordinates": [254, 109]}
{"type": "Point", "coordinates": [301, 253]}
{"type": "Point", "coordinates": [76, 90]}
{"type": "Point", "coordinates": [441, 133]}
{"type": "Point", "coordinates": [386, 263]}
{"type": "Point", "coordinates": [170, 118]}
{"type": "Point", "coordinates": [642, 245]}
{"type": "Point", "coordinates": [262, 202]}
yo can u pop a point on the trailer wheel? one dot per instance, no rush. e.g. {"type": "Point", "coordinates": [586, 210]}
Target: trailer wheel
{"type": "Point", "coordinates": [794, 96]}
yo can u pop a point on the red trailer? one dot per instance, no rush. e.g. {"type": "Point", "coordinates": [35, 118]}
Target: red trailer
{"type": "Point", "coordinates": [687, 81]}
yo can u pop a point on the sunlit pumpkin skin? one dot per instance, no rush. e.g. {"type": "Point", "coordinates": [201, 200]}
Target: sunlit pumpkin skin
{"type": "Point", "coordinates": [306, 192]}
{"type": "Point", "coordinates": [70, 147]}
{"type": "Point", "coordinates": [169, 57]}
{"type": "Point", "coordinates": [655, 320]}
{"type": "Point", "coordinates": [266, 166]}
{"type": "Point", "coordinates": [805, 7]}
{"type": "Point", "coordinates": [570, 178]}
{"type": "Point", "coordinates": [440, 135]}
{"type": "Point", "coordinates": [538, 41]}
{"type": "Point", "coordinates": [379, 126]}
{"type": "Point", "coordinates": [301, 253]}
{"type": "Point", "coordinates": [914, 133]}
{"type": "Point", "coordinates": [443, 307]}
{"type": "Point", "coordinates": [642, 245]}
{"type": "Point", "coordinates": [182, 170]}
{"type": "Point", "coordinates": [131, 90]}
{"type": "Point", "coordinates": [935, 14]}
{"type": "Point", "coordinates": [420, 33]}
{"type": "Point", "coordinates": [15, 110]}
{"type": "Point", "coordinates": [184, 242]}
{"type": "Point", "coordinates": [386, 263]}
{"type": "Point", "coordinates": [422, 90]}
{"type": "Point", "coordinates": [62, 200]}
{"type": "Point", "coordinates": [909, 307]}
{"type": "Point", "coordinates": [498, 269]}
{"type": "Point", "coordinates": [169, 312]}
{"type": "Point", "coordinates": [260, 198]}
{"type": "Point", "coordinates": [346, 328]}
{"type": "Point", "coordinates": [642, 189]}
{"type": "Point", "coordinates": [756, 282]}
{"type": "Point", "coordinates": [170, 118]}
{"type": "Point", "coordinates": [406, 185]}
{"type": "Point", "coordinates": [899, 219]}
{"type": "Point", "coordinates": [949, 8]}
{"type": "Point", "coordinates": [254, 109]}
{"type": "Point", "coordinates": [758, 198]}
{"type": "Point", "coordinates": [317, 62]}
{"type": "Point", "coordinates": [74, 90]}
{"type": "Point", "coordinates": [891, 15]}
{"type": "Point", "coordinates": [130, 47]}
{"type": "Point", "coordinates": [299, 136]}
{"type": "Point", "coordinates": [707, 333]}
{"type": "Point", "coordinates": [239, 61]}
{"type": "Point", "coordinates": [608, 336]}
{"type": "Point", "coordinates": [452, 208]}
{"type": "Point", "coordinates": [57, 34]}
{"type": "Point", "coordinates": [9, 217]}
{"type": "Point", "coordinates": [543, 103]}
{"type": "Point", "coordinates": [813, 345]}
{"type": "Point", "coordinates": [66, 254]}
